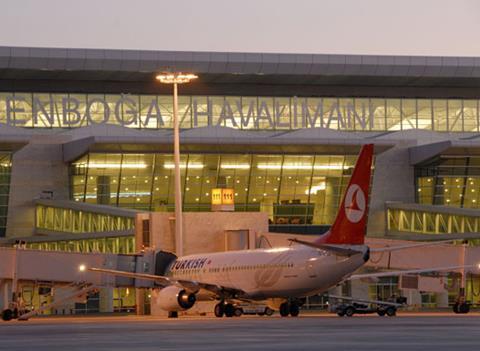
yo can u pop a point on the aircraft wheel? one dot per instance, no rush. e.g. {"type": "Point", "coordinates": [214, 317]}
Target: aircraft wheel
{"type": "Point", "coordinates": [219, 310]}
{"type": "Point", "coordinates": [7, 315]}
{"type": "Point", "coordinates": [268, 311]}
{"type": "Point", "coordinates": [349, 311]}
{"type": "Point", "coordinates": [229, 310]}
{"type": "Point", "coordinates": [294, 310]}
{"type": "Point", "coordinates": [284, 309]}
{"type": "Point", "coordinates": [463, 308]}
{"type": "Point", "coordinates": [237, 312]}
{"type": "Point", "coordinates": [455, 307]}
{"type": "Point", "coordinates": [391, 311]}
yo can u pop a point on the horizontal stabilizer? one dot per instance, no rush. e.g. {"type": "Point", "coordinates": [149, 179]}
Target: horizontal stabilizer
{"type": "Point", "coordinates": [337, 250]}
{"type": "Point", "coordinates": [409, 246]}
{"type": "Point", "coordinates": [410, 271]}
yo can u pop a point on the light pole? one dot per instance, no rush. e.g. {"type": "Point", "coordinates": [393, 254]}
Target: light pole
{"type": "Point", "coordinates": [175, 79]}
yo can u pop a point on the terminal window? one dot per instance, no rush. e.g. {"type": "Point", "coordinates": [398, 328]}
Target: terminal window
{"type": "Point", "coordinates": [293, 189]}
{"type": "Point", "coordinates": [449, 181]}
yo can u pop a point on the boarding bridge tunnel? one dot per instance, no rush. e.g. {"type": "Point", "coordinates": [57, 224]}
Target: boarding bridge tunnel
{"type": "Point", "coordinates": [68, 274]}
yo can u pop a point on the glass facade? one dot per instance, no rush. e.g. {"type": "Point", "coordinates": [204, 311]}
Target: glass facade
{"type": "Point", "coordinates": [5, 172]}
{"type": "Point", "coordinates": [66, 220]}
{"type": "Point", "coordinates": [43, 110]}
{"type": "Point", "coordinates": [114, 245]}
{"type": "Point", "coordinates": [425, 222]}
{"type": "Point", "coordinates": [449, 181]}
{"type": "Point", "coordinates": [293, 189]}
{"type": "Point", "coordinates": [74, 221]}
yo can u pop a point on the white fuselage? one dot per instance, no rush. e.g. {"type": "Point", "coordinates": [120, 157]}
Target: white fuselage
{"type": "Point", "coordinates": [295, 271]}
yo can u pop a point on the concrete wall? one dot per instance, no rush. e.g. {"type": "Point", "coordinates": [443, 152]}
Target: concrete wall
{"type": "Point", "coordinates": [36, 167]}
{"type": "Point", "coordinates": [203, 231]}
{"type": "Point", "coordinates": [392, 181]}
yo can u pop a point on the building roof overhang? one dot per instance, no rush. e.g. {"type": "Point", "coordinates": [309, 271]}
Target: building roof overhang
{"type": "Point", "coordinates": [469, 146]}
{"type": "Point", "coordinates": [13, 138]}
{"type": "Point", "coordinates": [23, 67]}
{"type": "Point", "coordinates": [227, 140]}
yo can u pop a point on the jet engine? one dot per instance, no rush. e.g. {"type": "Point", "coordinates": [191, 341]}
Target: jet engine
{"type": "Point", "coordinates": [173, 298]}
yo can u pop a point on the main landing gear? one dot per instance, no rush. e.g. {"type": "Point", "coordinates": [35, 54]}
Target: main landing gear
{"type": "Point", "coordinates": [226, 309]}
{"type": "Point", "coordinates": [289, 308]}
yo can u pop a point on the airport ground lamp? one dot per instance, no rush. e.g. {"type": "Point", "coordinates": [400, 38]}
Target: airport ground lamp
{"type": "Point", "coordinates": [176, 78]}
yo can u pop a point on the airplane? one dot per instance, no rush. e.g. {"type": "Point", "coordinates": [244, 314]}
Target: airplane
{"type": "Point", "coordinates": [282, 276]}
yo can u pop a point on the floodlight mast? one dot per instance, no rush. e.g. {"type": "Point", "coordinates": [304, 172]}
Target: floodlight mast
{"type": "Point", "coordinates": [176, 78]}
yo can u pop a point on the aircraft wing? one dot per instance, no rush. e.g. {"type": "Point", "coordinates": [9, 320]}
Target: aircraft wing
{"type": "Point", "coordinates": [163, 281]}
{"type": "Point", "coordinates": [410, 271]}
{"type": "Point", "coordinates": [337, 250]}
{"type": "Point", "coordinates": [409, 246]}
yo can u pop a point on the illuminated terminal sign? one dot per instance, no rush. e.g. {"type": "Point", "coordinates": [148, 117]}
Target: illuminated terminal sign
{"type": "Point", "coordinates": [223, 200]}
{"type": "Point", "coordinates": [36, 110]}
{"type": "Point", "coordinates": [147, 111]}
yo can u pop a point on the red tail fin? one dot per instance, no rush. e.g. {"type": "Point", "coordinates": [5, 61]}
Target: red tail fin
{"type": "Point", "coordinates": [351, 222]}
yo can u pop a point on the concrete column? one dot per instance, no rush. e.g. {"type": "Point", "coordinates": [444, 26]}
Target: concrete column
{"type": "Point", "coordinates": [442, 299]}
{"type": "Point", "coordinates": [106, 300]}
{"type": "Point", "coordinates": [103, 190]}
{"type": "Point", "coordinates": [5, 294]}
{"type": "Point", "coordinates": [414, 298]}
{"type": "Point", "coordinates": [140, 301]}
{"type": "Point", "coordinates": [267, 206]}
{"type": "Point", "coordinates": [325, 202]}
{"type": "Point", "coordinates": [331, 199]}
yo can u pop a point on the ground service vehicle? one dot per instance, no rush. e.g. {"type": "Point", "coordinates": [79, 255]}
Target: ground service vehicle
{"type": "Point", "coordinates": [252, 309]}
{"type": "Point", "coordinates": [350, 306]}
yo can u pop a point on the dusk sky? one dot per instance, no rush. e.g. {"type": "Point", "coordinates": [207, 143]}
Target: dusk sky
{"type": "Point", "coordinates": [406, 27]}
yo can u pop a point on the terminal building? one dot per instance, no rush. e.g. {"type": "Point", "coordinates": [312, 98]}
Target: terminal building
{"type": "Point", "coordinates": [86, 144]}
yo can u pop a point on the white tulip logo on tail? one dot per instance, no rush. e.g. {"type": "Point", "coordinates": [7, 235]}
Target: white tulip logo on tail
{"type": "Point", "coordinates": [354, 203]}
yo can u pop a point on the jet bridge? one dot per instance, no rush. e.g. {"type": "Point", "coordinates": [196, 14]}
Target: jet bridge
{"type": "Point", "coordinates": [69, 272]}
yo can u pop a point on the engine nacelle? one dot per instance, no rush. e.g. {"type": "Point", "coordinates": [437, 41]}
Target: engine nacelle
{"type": "Point", "coordinates": [173, 298]}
